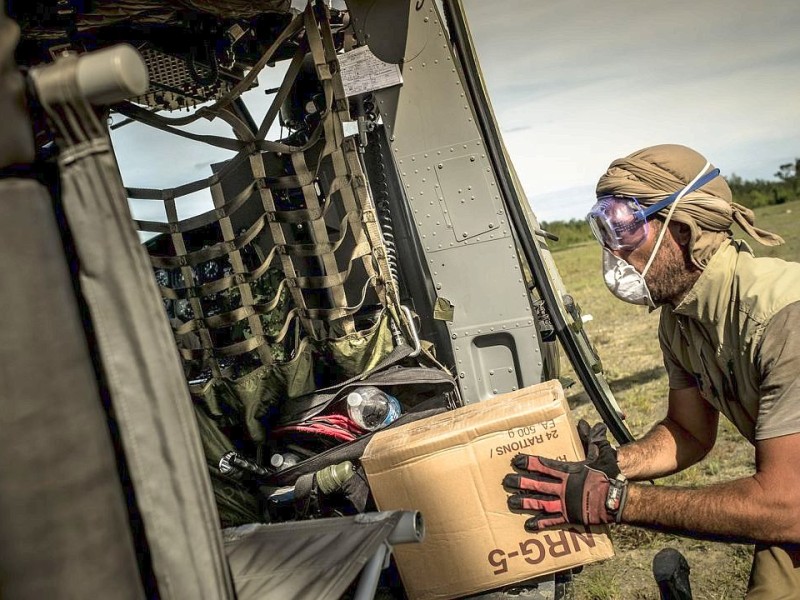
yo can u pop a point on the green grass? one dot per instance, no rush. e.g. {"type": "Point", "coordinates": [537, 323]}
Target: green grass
{"type": "Point", "coordinates": [626, 340]}
{"type": "Point", "coordinates": [783, 219]}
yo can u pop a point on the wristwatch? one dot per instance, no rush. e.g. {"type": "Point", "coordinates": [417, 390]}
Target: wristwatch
{"type": "Point", "coordinates": [617, 494]}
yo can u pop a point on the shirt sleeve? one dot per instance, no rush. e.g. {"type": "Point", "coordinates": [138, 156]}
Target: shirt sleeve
{"type": "Point", "coordinates": [778, 363]}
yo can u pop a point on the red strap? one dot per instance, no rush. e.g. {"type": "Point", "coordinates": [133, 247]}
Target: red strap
{"type": "Point", "coordinates": [337, 426]}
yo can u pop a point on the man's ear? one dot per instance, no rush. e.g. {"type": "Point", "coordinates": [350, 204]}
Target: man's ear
{"type": "Point", "coordinates": [681, 232]}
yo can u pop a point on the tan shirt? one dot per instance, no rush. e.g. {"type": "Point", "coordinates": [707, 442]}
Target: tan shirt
{"type": "Point", "coordinates": [778, 365]}
{"type": "Point", "coordinates": [736, 336]}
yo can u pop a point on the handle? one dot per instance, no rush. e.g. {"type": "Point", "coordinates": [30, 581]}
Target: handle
{"type": "Point", "coordinates": [104, 76]}
{"type": "Point", "coordinates": [113, 74]}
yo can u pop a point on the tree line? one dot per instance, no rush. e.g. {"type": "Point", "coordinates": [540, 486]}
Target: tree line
{"type": "Point", "coordinates": [785, 187]}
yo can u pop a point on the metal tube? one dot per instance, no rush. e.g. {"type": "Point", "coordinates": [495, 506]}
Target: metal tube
{"type": "Point", "coordinates": [372, 571]}
{"type": "Point", "coordinates": [410, 529]}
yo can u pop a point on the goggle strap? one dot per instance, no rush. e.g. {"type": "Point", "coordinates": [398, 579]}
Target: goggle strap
{"type": "Point", "coordinates": [661, 204]}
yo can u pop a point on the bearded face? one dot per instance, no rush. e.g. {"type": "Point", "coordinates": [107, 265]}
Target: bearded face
{"type": "Point", "coordinates": [672, 273]}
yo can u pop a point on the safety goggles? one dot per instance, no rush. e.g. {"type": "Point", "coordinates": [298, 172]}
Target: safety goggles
{"type": "Point", "coordinates": [620, 222]}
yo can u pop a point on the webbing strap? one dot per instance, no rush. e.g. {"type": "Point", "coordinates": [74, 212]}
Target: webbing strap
{"type": "Point", "coordinates": [326, 146]}
{"type": "Point", "coordinates": [359, 182]}
{"type": "Point", "coordinates": [370, 223]}
{"type": "Point", "coordinates": [303, 215]}
{"type": "Point", "coordinates": [278, 237]}
{"type": "Point", "coordinates": [231, 317]}
{"type": "Point", "coordinates": [187, 188]}
{"type": "Point", "coordinates": [201, 220]}
{"type": "Point", "coordinates": [294, 26]}
{"type": "Point", "coordinates": [332, 127]}
{"type": "Point", "coordinates": [313, 214]}
{"type": "Point", "coordinates": [218, 250]}
{"type": "Point", "coordinates": [222, 284]}
{"type": "Point", "coordinates": [342, 105]}
{"type": "Point", "coordinates": [391, 298]}
{"type": "Point", "coordinates": [248, 345]}
{"type": "Point", "coordinates": [153, 120]}
{"type": "Point", "coordinates": [283, 92]}
{"type": "Point", "coordinates": [316, 46]}
{"type": "Point", "coordinates": [188, 276]}
{"type": "Point", "coordinates": [236, 261]}
{"type": "Point", "coordinates": [239, 127]}
{"type": "Point", "coordinates": [331, 280]}
{"type": "Point", "coordinates": [144, 116]}
{"type": "Point", "coordinates": [305, 250]}
{"type": "Point", "coordinates": [333, 314]}
{"type": "Point", "coordinates": [354, 216]}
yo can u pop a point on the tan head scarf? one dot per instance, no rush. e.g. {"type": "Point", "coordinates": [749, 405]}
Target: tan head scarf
{"type": "Point", "coordinates": [656, 172]}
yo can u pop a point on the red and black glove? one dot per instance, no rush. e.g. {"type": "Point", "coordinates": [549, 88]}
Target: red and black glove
{"type": "Point", "coordinates": [590, 492]}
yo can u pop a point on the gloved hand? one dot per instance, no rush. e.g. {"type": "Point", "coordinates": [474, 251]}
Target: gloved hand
{"type": "Point", "coordinates": [597, 449]}
{"type": "Point", "coordinates": [591, 491]}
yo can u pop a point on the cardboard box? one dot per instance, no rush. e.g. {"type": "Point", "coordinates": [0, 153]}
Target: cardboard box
{"type": "Point", "coordinates": [451, 468]}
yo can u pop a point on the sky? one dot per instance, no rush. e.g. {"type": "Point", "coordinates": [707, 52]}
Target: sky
{"type": "Point", "coordinates": [576, 84]}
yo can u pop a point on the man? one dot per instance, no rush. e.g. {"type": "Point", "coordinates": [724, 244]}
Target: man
{"type": "Point", "coordinates": [730, 336]}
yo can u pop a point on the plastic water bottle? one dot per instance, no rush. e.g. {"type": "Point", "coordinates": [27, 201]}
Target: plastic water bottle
{"type": "Point", "coordinates": [284, 461]}
{"type": "Point", "coordinates": [372, 408]}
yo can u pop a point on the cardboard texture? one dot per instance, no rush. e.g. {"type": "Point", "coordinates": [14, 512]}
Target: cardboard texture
{"type": "Point", "coordinates": [451, 468]}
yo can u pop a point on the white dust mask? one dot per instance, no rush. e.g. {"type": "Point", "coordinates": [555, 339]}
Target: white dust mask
{"type": "Point", "coordinates": [624, 281]}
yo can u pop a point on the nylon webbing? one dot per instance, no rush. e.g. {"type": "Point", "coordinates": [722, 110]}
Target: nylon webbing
{"type": "Point", "coordinates": [239, 127]}
{"type": "Point", "coordinates": [236, 261]}
{"type": "Point", "coordinates": [247, 345]}
{"type": "Point", "coordinates": [369, 219]}
{"type": "Point", "coordinates": [354, 214]}
{"type": "Point", "coordinates": [187, 188]}
{"type": "Point", "coordinates": [226, 247]}
{"type": "Point", "coordinates": [341, 106]}
{"type": "Point", "coordinates": [306, 250]}
{"type": "Point", "coordinates": [145, 116]}
{"type": "Point", "coordinates": [230, 318]}
{"type": "Point", "coordinates": [283, 92]}
{"type": "Point", "coordinates": [278, 237]}
{"type": "Point", "coordinates": [332, 280]}
{"type": "Point", "coordinates": [360, 187]}
{"type": "Point", "coordinates": [391, 299]}
{"type": "Point", "coordinates": [329, 314]}
{"type": "Point", "coordinates": [201, 220]}
{"type": "Point", "coordinates": [222, 284]}
{"type": "Point", "coordinates": [188, 276]}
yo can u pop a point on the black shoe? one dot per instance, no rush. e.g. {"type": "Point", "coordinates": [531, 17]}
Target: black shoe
{"type": "Point", "coordinates": [672, 575]}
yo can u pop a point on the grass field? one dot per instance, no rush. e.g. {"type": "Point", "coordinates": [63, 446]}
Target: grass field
{"type": "Point", "coordinates": [626, 340]}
